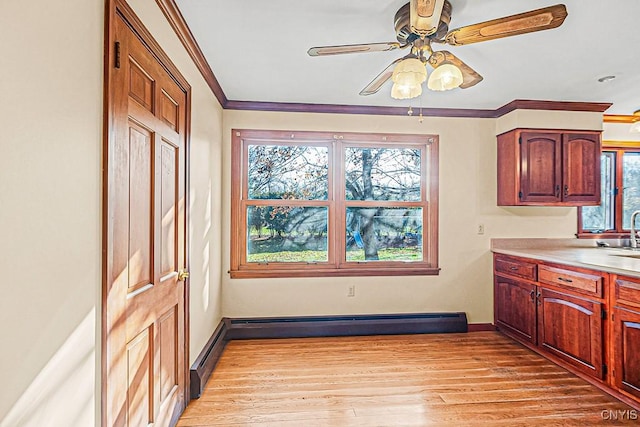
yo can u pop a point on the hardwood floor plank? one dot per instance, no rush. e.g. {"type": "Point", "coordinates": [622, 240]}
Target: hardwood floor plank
{"type": "Point", "coordinates": [475, 379]}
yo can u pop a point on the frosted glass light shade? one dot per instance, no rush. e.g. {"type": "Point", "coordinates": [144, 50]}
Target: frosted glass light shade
{"type": "Point", "coordinates": [445, 77]}
{"type": "Point", "coordinates": [407, 78]}
{"type": "Point", "coordinates": [635, 128]}
{"type": "Point", "coordinates": [399, 91]}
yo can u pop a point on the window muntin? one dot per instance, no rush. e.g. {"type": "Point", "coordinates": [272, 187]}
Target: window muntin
{"type": "Point", "coordinates": [313, 204]}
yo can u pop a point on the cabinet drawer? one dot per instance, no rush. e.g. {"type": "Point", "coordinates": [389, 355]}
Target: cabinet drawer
{"type": "Point", "coordinates": [589, 284]}
{"type": "Point", "coordinates": [628, 292]}
{"type": "Point", "coordinates": [515, 267]}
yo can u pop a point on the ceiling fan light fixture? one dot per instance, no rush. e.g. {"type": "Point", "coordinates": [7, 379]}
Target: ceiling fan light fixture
{"type": "Point", "coordinates": [407, 78]}
{"type": "Point", "coordinates": [445, 77]}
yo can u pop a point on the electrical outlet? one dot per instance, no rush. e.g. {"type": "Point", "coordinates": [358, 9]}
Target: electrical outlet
{"type": "Point", "coordinates": [352, 291]}
{"type": "Point", "coordinates": [480, 228]}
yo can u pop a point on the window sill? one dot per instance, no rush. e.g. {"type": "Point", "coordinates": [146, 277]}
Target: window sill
{"type": "Point", "coordinates": [605, 235]}
{"type": "Point", "coordinates": [338, 272]}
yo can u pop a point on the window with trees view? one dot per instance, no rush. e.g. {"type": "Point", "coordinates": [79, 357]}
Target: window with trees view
{"type": "Point", "coordinates": [321, 204]}
{"type": "Point", "coordinates": [620, 167]}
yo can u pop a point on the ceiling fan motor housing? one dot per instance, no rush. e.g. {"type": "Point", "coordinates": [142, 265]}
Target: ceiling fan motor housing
{"type": "Point", "coordinates": [402, 24]}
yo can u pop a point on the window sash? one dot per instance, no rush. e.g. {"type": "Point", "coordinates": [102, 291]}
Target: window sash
{"type": "Point", "coordinates": [615, 197]}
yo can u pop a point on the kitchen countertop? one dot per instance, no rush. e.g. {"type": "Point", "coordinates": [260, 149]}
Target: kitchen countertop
{"type": "Point", "coordinates": [578, 253]}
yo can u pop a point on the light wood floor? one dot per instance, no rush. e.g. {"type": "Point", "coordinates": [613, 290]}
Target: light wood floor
{"type": "Point", "coordinates": [475, 379]}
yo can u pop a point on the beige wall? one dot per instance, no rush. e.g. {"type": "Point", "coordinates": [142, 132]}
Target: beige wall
{"type": "Point", "coordinates": [467, 199]}
{"type": "Point", "coordinates": [50, 192]}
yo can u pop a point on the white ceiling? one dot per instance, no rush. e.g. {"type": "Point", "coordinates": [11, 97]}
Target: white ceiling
{"type": "Point", "coordinates": [258, 51]}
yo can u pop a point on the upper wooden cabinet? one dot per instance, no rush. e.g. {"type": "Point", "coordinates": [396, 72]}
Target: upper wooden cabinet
{"type": "Point", "coordinates": [549, 168]}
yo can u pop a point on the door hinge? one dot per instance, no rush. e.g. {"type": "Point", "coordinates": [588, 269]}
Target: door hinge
{"type": "Point", "coordinates": [117, 55]}
{"type": "Point", "coordinates": [520, 194]}
{"type": "Point", "coordinates": [616, 191]}
{"type": "Point", "coordinates": [604, 369]}
{"type": "Point", "coordinates": [603, 314]}
{"type": "Point", "coordinates": [520, 140]}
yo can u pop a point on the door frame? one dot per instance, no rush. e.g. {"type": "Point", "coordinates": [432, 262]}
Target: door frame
{"type": "Point", "coordinates": [115, 9]}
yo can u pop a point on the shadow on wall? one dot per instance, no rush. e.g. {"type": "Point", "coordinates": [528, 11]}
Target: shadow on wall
{"type": "Point", "coordinates": [70, 372]}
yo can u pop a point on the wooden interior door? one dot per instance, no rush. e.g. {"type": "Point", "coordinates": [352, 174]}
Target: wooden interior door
{"type": "Point", "coordinates": [144, 330]}
{"type": "Point", "coordinates": [540, 167]}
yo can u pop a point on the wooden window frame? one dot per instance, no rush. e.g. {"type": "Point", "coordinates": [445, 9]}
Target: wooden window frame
{"type": "Point", "coordinates": [336, 203]}
{"type": "Point", "coordinates": [619, 148]}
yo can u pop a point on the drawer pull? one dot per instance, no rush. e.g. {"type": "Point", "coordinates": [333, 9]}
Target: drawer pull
{"type": "Point", "coordinates": [513, 267]}
{"type": "Point", "coordinates": [562, 279]}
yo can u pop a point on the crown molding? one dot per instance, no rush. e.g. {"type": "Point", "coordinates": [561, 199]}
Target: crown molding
{"type": "Point", "coordinates": [355, 109]}
{"type": "Point", "coordinates": [529, 104]}
{"type": "Point", "coordinates": [173, 15]}
{"type": "Point", "coordinates": [619, 118]}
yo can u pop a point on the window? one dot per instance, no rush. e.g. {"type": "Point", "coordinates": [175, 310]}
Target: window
{"type": "Point", "coordinates": [324, 204]}
{"type": "Point", "coordinates": [620, 168]}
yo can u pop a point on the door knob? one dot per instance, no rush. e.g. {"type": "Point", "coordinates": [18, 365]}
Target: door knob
{"type": "Point", "coordinates": [183, 275]}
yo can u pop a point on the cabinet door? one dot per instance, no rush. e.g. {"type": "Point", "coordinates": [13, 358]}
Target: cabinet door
{"type": "Point", "coordinates": [515, 308]}
{"type": "Point", "coordinates": [571, 328]}
{"type": "Point", "coordinates": [540, 167]}
{"type": "Point", "coordinates": [581, 168]}
{"type": "Point", "coordinates": [626, 351]}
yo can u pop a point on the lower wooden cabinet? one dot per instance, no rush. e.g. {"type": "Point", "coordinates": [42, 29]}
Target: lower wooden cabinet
{"type": "Point", "coordinates": [563, 312]}
{"type": "Point", "coordinates": [571, 328]}
{"type": "Point", "coordinates": [626, 351]}
{"type": "Point", "coordinates": [515, 307]}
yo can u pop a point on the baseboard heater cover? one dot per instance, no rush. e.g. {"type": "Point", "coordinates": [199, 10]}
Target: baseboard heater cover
{"type": "Point", "coordinates": [207, 359]}
{"type": "Point", "coordinates": [322, 326]}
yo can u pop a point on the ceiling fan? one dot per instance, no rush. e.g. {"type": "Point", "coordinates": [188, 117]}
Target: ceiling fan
{"type": "Point", "coordinates": [421, 23]}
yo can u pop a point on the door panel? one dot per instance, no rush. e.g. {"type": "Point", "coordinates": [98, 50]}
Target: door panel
{"type": "Point", "coordinates": [571, 328]}
{"type": "Point", "coordinates": [139, 396]}
{"type": "Point", "coordinates": [626, 359]}
{"type": "Point", "coordinates": [169, 185]}
{"type": "Point", "coordinates": [145, 336]}
{"type": "Point", "coordinates": [540, 164]}
{"type": "Point", "coordinates": [140, 245]}
{"type": "Point", "coordinates": [515, 309]}
{"type": "Point", "coordinates": [581, 168]}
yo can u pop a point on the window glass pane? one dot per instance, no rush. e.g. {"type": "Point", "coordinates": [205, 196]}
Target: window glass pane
{"type": "Point", "coordinates": [288, 172]}
{"type": "Point", "coordinates": [384, 234]}
{"type": "Point", "coordinates": [631, 186]}
{"type": "Point", "coordinates": [382, 174]}
{"type": "Point", "coordinates": [286, 234]}
{"type": "Point", "coordinates": [600, 218]}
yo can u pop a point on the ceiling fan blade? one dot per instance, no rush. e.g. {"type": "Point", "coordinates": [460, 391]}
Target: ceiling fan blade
{"type": "Point", "coordinates": [527, 22]}
{"type": "Point", "coordinates": [353, 48]}
{"type": "Point", "coordinates": [469, 76]}
{"type": "Point", "coordinates": [380, 79]}
{"type": "Point", "coordinates": [424, 16]}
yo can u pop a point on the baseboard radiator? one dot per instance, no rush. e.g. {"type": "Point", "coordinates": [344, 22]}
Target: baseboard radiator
{"type": "Point", "coordinates": [324, 326]}
{"type": "Point", "coordinates": [317, 326]}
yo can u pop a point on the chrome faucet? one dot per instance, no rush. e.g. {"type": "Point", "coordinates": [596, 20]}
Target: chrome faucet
{"type": "Point", "coordinates": [634, 234]}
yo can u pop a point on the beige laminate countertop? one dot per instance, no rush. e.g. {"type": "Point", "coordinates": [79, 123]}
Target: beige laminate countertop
{"type": "Point", "coordinates": [569, 252]}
